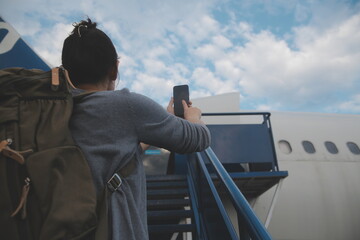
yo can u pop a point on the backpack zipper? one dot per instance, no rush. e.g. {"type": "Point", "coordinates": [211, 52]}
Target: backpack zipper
{"type": "Point", "coordinates": [23, 199]}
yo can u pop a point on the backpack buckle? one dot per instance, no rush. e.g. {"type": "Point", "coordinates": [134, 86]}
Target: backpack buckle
{"type": "Point", "coordinates": [115, 182]}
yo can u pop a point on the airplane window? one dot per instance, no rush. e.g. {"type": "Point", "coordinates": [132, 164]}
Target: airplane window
{"type": "Point", "coordinates": [331, 147]}
{"type": "Point", "coordinates": [353, 147]}
{"type": "Point", "coordinates": [285, 146]}
{"type": "Point", "coordinates": [308, 147]}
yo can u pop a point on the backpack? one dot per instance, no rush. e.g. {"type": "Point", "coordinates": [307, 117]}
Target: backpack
{"type": "Point", "coordinates": [46, 187]}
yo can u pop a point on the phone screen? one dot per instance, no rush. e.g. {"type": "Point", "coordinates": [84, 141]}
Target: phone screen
{"type": "Point", "coordinates": [181, 92]}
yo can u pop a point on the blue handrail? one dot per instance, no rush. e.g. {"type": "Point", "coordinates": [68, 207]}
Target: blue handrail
{"type": "Point", "coordinates": [255, 228]}
{"type": "Point", "coordinates": [204, 189]}
{"type": "Point", "coordinates": [230, 228]}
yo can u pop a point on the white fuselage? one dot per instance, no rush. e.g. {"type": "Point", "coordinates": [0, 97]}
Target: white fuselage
{"type": "Point", "coordinates": [320, 199]}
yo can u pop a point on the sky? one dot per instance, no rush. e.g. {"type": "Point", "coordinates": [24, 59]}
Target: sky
{"type": "Point", "coordinates": [280, 55]}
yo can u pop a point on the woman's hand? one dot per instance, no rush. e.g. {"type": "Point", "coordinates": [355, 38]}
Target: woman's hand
{"type": "Point", "coordinates": [192, 114]}
{"type": "Point", "coordinates": [170, 107]}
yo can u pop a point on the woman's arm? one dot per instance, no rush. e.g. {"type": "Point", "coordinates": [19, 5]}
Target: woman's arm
{"type": "Point", "coordinates": [159, 128]}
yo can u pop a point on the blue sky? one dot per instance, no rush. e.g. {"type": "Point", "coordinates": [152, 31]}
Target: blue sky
{"type": "Point", "coordinates": [280, 55]}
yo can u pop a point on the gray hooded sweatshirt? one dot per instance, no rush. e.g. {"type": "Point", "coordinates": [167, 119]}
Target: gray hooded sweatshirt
{"type": "Point", "coordinates": [108, 126]}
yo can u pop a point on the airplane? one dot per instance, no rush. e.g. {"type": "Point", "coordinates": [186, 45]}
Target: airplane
{"type": "Point", "coordinates": [15, 52]}
{"type": "Point", "coordinates": [318, 198]}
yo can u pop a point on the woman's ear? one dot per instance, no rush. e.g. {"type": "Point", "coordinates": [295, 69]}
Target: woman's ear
{"type": "Point", "coordinates": [113, 73]}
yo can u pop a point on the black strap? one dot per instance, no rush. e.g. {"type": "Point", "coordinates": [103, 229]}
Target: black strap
{"type": "Point", "coordinates": [129, 167]}
{"type": "Point", "coordinates": [116, 180]}
{"type": "Point", "coordinates": [112, 185]}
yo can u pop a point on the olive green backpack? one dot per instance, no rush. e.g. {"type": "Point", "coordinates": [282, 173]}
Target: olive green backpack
{"type": "Point", "coordinates": [46, 188]}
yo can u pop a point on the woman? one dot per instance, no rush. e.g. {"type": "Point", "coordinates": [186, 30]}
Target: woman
{"type": "Point", "coordinates": [109, 126]}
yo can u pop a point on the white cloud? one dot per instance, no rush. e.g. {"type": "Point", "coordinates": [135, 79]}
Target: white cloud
{"type": "Point", "coordinates": [206, 79]}
{"type": "Point", "coordinates": [244, 29]}
{"type": "Point", "coordinates": [222, 42]}
{"type": "Point", "coordinates": [153, 66]}
{"type": "Point", "coordinates": [49, 43]}
{"type": "Point", "coordinates": [155, 87]}
{"type": "Point", "coordinates": [263, 61]}
{"type": "Point", "coordinates": [195, 32]}
{"type": "Point", "coordinates": [352, 106]}
{"type": "Point", "coordinates": [324, 63]}
{"type": "Point", "coordinates": [208, 52]}
{"type": "Point", "coordinates": [227, 70]}
{"type": "Point", "coordinates": [163, 43]}
{"type": "Point", "coordinates": [199, 93]}
{"type": "Point", "coordinates": [213, 50]}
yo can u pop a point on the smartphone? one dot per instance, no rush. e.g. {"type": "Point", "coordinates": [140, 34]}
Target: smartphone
{"type": "Point", "coordinates": [180, 92]}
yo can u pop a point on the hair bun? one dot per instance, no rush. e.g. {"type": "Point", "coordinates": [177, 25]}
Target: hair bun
{"type": "Point", "coordinates": [83, 27]}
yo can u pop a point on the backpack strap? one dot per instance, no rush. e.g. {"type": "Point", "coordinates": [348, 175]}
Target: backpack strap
{"type": "Point", "coordinates": [112, 185]}
{"type": "Point", "coordinates": [66, 73]}
{"type": "Point", "coordinates": [55, 81]}
{"type": "Point", "coordinates": [115, 181]}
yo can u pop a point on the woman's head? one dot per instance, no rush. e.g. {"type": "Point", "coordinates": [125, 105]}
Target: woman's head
{"type": "Point", "coordinates": [88, 54]}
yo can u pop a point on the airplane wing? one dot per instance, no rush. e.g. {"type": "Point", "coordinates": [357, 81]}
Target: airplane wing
{"type": "Point", "coordinates": [14, 52]}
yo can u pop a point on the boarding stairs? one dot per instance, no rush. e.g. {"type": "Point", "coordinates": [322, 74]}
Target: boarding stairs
{"type": "Point", "coordinates": [170, 214]}
{"type": "Point", "coordinates": [204, 191]}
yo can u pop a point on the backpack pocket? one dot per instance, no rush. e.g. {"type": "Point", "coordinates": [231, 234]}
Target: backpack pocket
{"type": "Point", "coordinates": [62, 182]}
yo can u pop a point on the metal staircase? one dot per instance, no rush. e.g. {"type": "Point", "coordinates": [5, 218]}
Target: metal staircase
{"type": "Point", "coordinates": [203, 194]}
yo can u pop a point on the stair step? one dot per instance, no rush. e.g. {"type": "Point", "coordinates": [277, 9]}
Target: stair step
{"type": "Point", "coordinates": [166, 200]}
{"type": "Point", "coordinates": [165, 178]}
{"type": "Point", "coordinates": [163, 193]}
{"type": "Point", "coordinates": [167, 203]}
{"type": "Point", "coordinates": [168, 184]}
{"type": "Point", "coordinates": [166, 214]}
{"type": "Point", "coordinates": [171, 228]}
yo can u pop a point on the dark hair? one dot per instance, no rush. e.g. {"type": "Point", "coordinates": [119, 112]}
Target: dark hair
{"type": "Point", "coordinates": [88, 53]}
